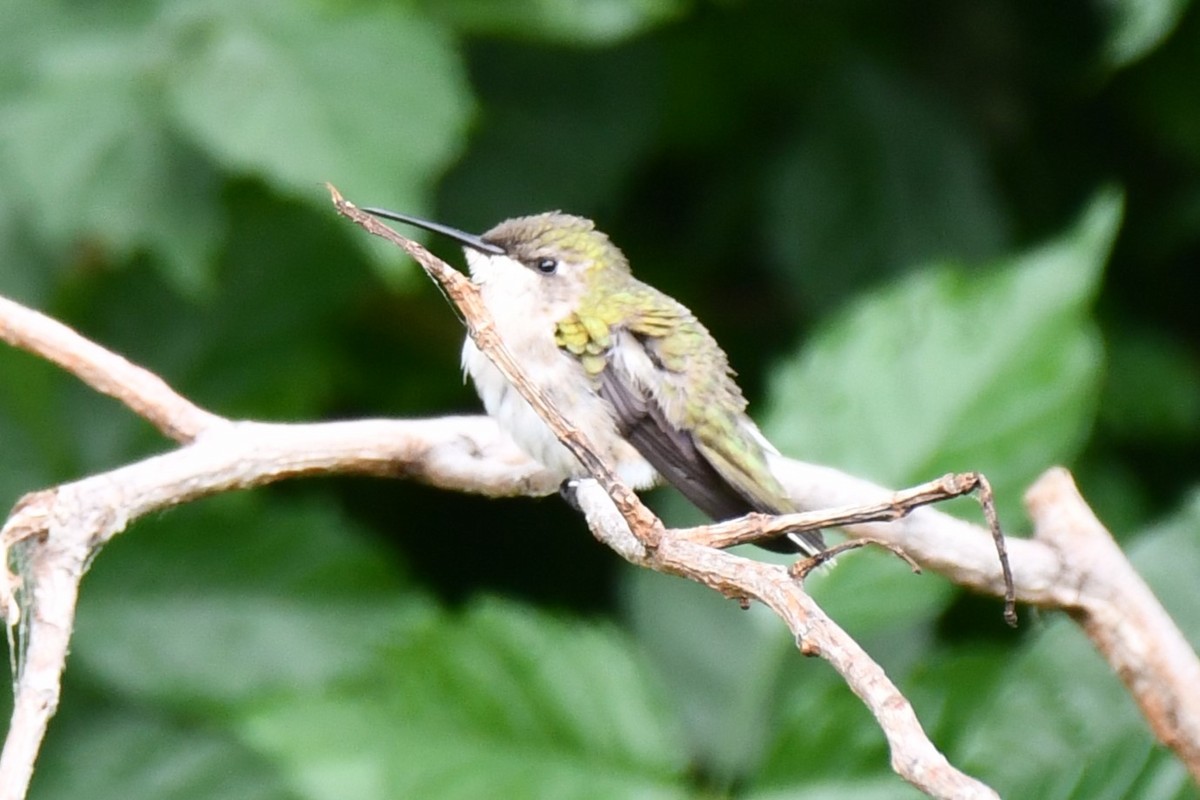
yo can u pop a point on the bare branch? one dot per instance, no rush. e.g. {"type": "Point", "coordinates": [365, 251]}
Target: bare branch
{"type": "Point", "coordinates": [937, 541]}
{"type": "Point", "coordinates": [57, 531]}
{"type": "Point", "coordinates": [754, 527]}
{"type": "Point", "coordinates": [106, 372]}
{"type": "Point", "coordinates": [1121, 615]}
{"type": "Point", "coordinates": [53, 571]}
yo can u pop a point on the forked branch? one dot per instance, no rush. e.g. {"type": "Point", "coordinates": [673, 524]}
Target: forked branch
{"type": "Point", "coordinates": [57, 531]}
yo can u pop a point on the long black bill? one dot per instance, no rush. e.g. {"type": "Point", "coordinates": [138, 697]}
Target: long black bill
{"type": "Point", "coordinates": [462, 237]}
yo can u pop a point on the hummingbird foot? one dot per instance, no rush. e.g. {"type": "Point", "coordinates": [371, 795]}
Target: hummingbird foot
{"type": "Point", "coordinates": [804, 567]}
{"type": "Point", "coordinates": [568, 491]}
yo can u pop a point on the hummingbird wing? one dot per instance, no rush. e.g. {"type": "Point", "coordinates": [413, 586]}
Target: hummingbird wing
{"type": "Point", "coordinates": [705, 475]}
{"type": "Point", "coordinates": [675, 401]}
{"type": "Point", "coordinates": [671, 451]}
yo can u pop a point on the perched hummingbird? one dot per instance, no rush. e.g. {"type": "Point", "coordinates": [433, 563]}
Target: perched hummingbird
{"type": "Point", "coordinates": [626, 364]}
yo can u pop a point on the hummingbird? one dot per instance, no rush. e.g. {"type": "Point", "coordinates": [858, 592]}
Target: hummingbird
{"type": "Point", "coordinates": [627, 364]}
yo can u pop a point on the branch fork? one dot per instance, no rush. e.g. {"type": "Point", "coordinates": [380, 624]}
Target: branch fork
{"type": "Point", "coordinates": [51, 535]}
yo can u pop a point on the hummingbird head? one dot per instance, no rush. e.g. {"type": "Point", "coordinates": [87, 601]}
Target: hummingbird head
{"type": "Point", "coordinates": [555, 243]}
{"type": "Point", "coordinates": [553, 258]}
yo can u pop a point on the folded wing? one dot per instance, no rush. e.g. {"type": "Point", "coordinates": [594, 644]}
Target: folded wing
{"type": "Point", "coordinates": [674, 399]}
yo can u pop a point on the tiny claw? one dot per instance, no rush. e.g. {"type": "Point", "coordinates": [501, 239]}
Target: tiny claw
{"type": "Point", "coordinates": [802, 568]}
{"type": "Point", "coordinates": [1010, 614]}
{"type": "Point", "coordinates": [568, 491]}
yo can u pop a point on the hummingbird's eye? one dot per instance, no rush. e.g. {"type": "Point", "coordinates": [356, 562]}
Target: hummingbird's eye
{"type": "Point", "coordinates": [546, 265]}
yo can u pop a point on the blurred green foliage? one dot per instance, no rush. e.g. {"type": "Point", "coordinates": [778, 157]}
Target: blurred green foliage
{"type": "Point", "coordinates": [932, 237]}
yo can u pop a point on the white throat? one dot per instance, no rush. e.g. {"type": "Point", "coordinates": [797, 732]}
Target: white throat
{"type": "Point", "coordinates": [517, 296]}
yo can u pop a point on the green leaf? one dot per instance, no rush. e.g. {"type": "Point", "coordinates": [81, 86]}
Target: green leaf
{"type": "Point", "coordinates": [1166, 557]}
{"type": "Point", "coordinates": [502, 702]}
{"type": "Point", "coordinates": [952, 371]}
{"type": "Point", "coordinates": [106, 753]}
{"type": "Point", "coordinates": [945, 687]}
{"type": "Point", "coordinates": [222, 602]}
{"type": "Point", "coordinates": [585, 22]}
{"type": "Point", "coordinates": [24, 273]}
{"type": "Point", "coordinates": [277, 624]}
{"type": "Point", "coordinates": [721, 665]}
{"type": "Point", "coordinates": [823, 735]}
{"type": "Point", "coordinates": [882, 177]}
{"type": "Point", "coordinates": [1136, 27]}
{"type": "Point", "coordinates": [119, 124]}
{"type": "Point", "coordinates": [86, 145]}
{"type": "Point", "coordinates": [896, 594]}
{"type": "Point", "coordinates": [370, 98]}
{"type": "Point", "coordinates": [871, 788]}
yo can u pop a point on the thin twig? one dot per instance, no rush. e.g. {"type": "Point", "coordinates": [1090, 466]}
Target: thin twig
{"type": "Point", "coordinates": [987, 500]}
{"type": "Point", "coordinates": [804, 567]}
{"type": "Point", "coordinates": [146, 394]}
{"type": "Point", "coordinates": [756, 527]}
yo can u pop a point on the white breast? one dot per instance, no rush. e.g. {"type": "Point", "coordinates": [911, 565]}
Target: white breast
{"type": "Point", "coordinates": [527, 330]}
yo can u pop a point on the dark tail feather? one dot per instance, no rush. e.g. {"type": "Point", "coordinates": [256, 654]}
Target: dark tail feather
{"type": "Point", "coordinates": [808, 543]}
